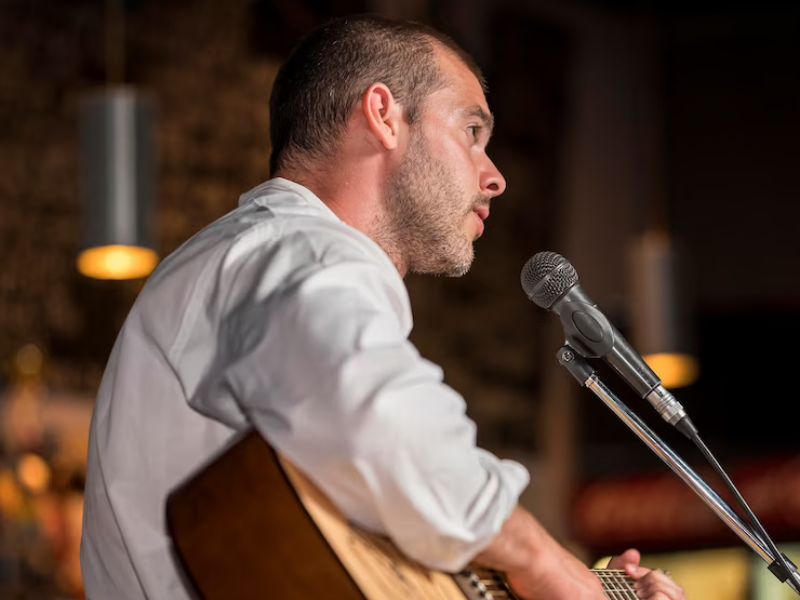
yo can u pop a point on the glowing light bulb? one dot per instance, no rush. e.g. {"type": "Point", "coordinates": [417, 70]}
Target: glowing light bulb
{"type": "Point", "coordinates": [675, 370]}
{"type": "Point", "coordinates": [117, 262]}
{"type": "Point", "coordinates": [33, 473]}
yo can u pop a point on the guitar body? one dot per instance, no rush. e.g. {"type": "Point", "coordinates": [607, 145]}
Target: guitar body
{"type": "Point", "coordinates": [250, 525]}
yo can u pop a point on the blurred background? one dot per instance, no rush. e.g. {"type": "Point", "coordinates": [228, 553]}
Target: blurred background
{"type": "Point", "coordinates": [654, 143]}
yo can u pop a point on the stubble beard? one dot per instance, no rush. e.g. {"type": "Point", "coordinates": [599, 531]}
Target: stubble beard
{"type": "Point", "coordinates": [425, 215]}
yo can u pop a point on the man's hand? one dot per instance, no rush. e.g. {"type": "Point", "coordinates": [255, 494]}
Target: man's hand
{"type": "Point", "coordinates": [650, 584]}
{"type": "Point", "coordinates": [539, 568]}
{"type": "Point", "coordinates": [557, 576]}
{"type": "Point", "coordinates": [536, 566]}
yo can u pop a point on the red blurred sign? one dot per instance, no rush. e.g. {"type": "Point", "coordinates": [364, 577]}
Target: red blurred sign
{"type": "Point", "coordinates": [659, 512]}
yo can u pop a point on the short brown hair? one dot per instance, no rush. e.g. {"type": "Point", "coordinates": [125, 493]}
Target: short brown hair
{"type": "Point", "coordinates": [321, 82]}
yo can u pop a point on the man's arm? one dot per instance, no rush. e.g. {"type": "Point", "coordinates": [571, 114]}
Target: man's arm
{"type": "Point", "coordinates": [333, 382]}
{"type": "Point", "coordinates": [538, 567]}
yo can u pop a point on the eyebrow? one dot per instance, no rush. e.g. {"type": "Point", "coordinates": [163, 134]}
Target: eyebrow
{"type": "Point", "coordinates": [477, 111]}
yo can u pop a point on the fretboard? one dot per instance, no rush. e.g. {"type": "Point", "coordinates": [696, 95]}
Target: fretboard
{"type": "Point", "coordinates": [616, 584]}
{"type": "Point", "coordinates": [486, 584]}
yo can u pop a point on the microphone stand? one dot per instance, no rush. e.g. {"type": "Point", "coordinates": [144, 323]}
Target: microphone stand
{"type": "Point", "coordinates": [586, 376]}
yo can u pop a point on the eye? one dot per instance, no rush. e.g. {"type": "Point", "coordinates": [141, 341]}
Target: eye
{"type": "Point", "coordinates": [474, 131]}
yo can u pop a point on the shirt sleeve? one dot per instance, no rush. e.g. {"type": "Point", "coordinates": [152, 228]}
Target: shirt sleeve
{"type": "Point", "coordinates": [325, 371]}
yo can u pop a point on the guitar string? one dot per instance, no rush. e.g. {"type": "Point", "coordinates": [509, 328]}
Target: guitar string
{"type": "Point", "coordinates": [624, 582]}
{"type": "Point", "coordinates": [480, 583]}
{"type": "Point", "coordinates": [608, 585]}
{"type": "Point", "coordinates": [614, 581]}
{"type": "Point", "coordinates": [494, 583]}
{"type": "Point", "coordinates": [632, 592]}
{"type": "Point", "coordinates": [507, 593]}
{"type": "Point", "coordinates": [616, 584]}
{"type": "Point", "coordinates": [628, 582]}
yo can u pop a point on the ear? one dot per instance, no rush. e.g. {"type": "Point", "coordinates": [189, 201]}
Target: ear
{"type": "Point", "coordinates": [384, 115]}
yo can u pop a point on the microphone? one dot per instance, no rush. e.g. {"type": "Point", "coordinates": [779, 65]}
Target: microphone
{"type": "Point", "coordinates": [550, 281]}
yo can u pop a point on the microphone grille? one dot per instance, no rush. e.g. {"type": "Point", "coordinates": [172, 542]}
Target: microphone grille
{"type": "Point", "coordinates": [546, 277]}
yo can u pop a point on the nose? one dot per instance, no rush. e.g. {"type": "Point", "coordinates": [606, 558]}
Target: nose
{"type": "Point", "coordinates": [492, 181]}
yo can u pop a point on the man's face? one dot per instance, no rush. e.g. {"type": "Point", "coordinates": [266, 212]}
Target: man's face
{"type": "Point", "coordinates": [439, 195]}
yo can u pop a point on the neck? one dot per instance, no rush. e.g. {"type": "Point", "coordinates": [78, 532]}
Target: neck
{"type": "Point", "coordinates": [356, 196]}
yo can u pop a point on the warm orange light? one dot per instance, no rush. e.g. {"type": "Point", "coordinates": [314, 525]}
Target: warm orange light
{"type": "Point", "coordinates": [675, 370]}
{"type": "Point", "coordinates": [33, 473]}
{"type": "Point", "coordinates": [12, 501]}
{"type": "Point", "coordinates": [117, 262]}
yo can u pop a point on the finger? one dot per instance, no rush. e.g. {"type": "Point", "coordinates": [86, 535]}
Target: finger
{"type": "Point", "coordinates": [657, 583]}
{"type": "Point", "coordinates": [675, 593]}
{"type": "Point", "coordinates": [631, 556]}
{"type": "Point", "coordinates": [636, 572]}
{"type": "Point", "coordinates": [656, 596]}
{"type": "Point", "coordinates": [662, 595]}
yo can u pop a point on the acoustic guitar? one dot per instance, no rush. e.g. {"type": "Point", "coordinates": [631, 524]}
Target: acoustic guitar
{"type": "Point", "coordinates": [250, 525]}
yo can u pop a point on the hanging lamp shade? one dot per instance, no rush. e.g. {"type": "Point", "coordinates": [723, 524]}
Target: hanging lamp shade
{"type": "Point", "coordinates": [662, 327]}
{"type": "Point", "coordinates": [117, 175]}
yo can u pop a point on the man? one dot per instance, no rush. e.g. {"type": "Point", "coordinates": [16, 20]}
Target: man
{"type": "Point", "coordinates": [289, 314]}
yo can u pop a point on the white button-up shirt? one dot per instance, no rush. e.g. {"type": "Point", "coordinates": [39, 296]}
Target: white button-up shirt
{"type": "Point", "coordinates": [281, 317]}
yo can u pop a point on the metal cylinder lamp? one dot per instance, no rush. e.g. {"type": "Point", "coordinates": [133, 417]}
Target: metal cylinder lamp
{"type": "Point", "coordinates": [661, 317]}
{"type": "Point", "coordinates": [117, 167]}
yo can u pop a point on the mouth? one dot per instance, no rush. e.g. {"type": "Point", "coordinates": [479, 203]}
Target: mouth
{"type": "Point", "coordinates": [480, 217]}
{"type": "Point", "coordinates": [482, 212]}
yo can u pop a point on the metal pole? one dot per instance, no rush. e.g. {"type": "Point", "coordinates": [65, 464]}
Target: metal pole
{"type": "Point", "coordinates": [587, 377]}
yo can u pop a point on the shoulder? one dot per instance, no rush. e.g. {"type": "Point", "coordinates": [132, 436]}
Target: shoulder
{"type": "Point", "coordinates": [289, 215]}
{"type": "Point", "coordinates": [283, 241]}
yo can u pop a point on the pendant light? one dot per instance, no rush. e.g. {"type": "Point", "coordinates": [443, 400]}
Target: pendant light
{"type": "Point", "coordinates": [117, 170]}
{"type": "Point", "coordinates": [662, 323]}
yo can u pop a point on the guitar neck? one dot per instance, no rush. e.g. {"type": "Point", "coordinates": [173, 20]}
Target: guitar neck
{"type": "Point", "coordinates": [617, 584]}
{"type": "Point", "coordinates": [486, 584]}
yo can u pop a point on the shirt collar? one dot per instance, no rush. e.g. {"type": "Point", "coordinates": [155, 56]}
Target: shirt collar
{"type": "Point", "coordinates": [286, 185]}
